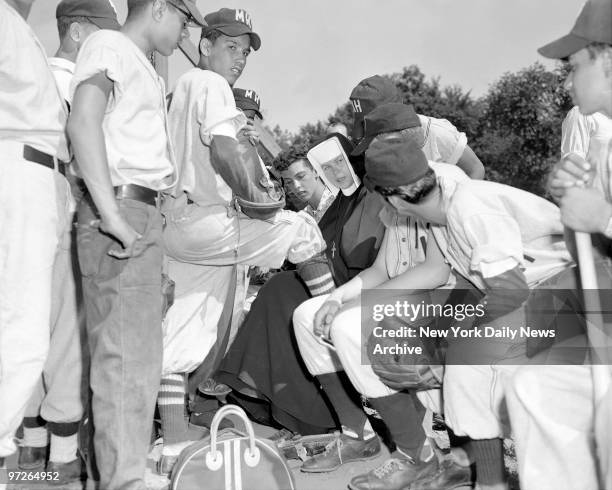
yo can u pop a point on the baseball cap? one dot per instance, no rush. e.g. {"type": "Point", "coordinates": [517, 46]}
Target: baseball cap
{"type": "Point", "coordinates": [247, 100]}
{"type": "Point", "coordinates": [368, 94]}
{"type": "Point", "coordinates": [101, 13]}
{"type": "Point", "coordinates": [394, 162]}
{"type": "Point", "coordinates": [594, 25]}
{"type": "Point", "coordinates": [385, 118]}
{"type": "Point", "coordinates": [233, 23]}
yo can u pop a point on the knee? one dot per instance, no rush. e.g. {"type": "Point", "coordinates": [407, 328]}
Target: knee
{"type": "Point", "coordinates": [346, 327]}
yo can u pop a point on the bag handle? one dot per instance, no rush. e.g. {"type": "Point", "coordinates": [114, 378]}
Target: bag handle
{"type": "Point", "coordinates": [214, 459]}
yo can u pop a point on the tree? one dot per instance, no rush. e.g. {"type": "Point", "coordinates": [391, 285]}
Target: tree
{"type": "Point", "coordinates": [429, 98]}
{"type": "Point", "coordinates": [520, 128]}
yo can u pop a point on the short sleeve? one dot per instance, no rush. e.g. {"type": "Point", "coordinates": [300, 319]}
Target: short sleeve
{"type": "Point", "coordinates": [387, 216]}
{"type": "Point", "coordinates": [444, 141]}
{"type": "Point", "coordinates": [216, 111]}
{"type": "Point", "coordinates": [495, 240]}
{"type": "Point", "coordinates": [99, 54]}
{"type": "Point", "coordinates": [576, 133]}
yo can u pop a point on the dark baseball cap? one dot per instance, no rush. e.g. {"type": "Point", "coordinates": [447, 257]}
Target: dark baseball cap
{"type": "Point", "coordinates": [233, 23]}
{"type": "Point", "coordinates": [394, 162]}
{"type": "Point", "coordinates": [247, 100]}
{"type": "Point", "coordinates": [593, 25]}
{"type": "Point", "coordinates": [386, 118]}
{"type": "Point", "coordinates": [101, 13]}
{"type": "Point", "coordinates": [369, 94]}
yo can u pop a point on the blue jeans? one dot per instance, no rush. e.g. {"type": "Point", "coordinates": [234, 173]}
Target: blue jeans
{"type": "Point", "coordinates": [123, 306]}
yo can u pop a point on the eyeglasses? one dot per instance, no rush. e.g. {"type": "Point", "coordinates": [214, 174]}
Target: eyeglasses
{"type": "Point", "coordinates": [189, 21]}
{"type": "Point", "coordinates": [387, 192]}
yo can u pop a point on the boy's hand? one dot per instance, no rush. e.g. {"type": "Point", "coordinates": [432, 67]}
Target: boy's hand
{"type": "Point", "coordinates": [571, 171]}
{"type": "Point", "coordinates": [121, 230]}
{"type": "Point", "coordinates": [251, 133]}
{"type": "Point", "coordinates": [585, 209]}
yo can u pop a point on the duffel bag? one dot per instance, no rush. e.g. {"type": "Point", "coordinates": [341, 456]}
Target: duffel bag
{"type": "Point", "coordinates": [232, 460]}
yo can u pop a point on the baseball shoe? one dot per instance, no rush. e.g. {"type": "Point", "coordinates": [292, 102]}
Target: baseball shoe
{"type": "Point", "coordinates": [165, 464]}
{"type": "Point", "coordinates": [31, 458]}
{"type": "Point", "coordinates": [303, 447]}
{"type": "Point", "coordinates": [211, 388]}
{"type": "Point", "coordinates": [341, 450]}
{"type": "Point", "coordinates": [394, 474]}
{"type": "Point", "coordinates": [449, 476]}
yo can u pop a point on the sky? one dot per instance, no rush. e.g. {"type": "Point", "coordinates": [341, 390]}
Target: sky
{"type": "Point", "coordinates": [315, 51]}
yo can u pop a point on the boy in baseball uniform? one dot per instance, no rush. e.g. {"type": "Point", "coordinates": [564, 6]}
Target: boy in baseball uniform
{"type": "Point", "coordinates": [465, 219]}
{"type": "Point", "coordinates": [556, 447]}
{"type": "Point", "coordinates": [484, 231]}
{"type": "Point", "coordinates": [34, 204]}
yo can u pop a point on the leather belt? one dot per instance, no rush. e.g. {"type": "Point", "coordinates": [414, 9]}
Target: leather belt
{"type": "Point", "coordinates": [137, 193]}
{"type": "Point", "coordinates": [33, 155]}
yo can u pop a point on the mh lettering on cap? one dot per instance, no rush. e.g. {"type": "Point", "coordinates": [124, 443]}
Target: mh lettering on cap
{"type": "Point", "coordinates": [251, 94]}
{"type": "Point", "coordinates": [244, 17]}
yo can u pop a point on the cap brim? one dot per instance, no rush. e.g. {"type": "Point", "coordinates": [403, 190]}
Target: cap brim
{"type": "Point", "coordinates": [564, 47]}
{"type": "Point", "coordinates": [105, 23]}
{"type": "Point", "coordinates": [246, 108]}
{"type": "Point", "coordinates": [362, 146]}
{"type": "Point", "coordinates": [238, 29]}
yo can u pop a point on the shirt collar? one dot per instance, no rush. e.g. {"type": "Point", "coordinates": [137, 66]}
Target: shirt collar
{"type": "Point", "coordinates": [62, 64]}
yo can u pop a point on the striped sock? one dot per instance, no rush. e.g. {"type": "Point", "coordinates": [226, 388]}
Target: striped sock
{"type": "Point", "coordinates": [316, 275]}
{"type": "Point", "coordinates": [488, 454]}
{"type": "Point", "coordinates": [171, 404]}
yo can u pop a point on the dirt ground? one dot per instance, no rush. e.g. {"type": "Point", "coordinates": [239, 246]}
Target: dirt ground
{"type": "Point", "coordinates": [336, 480]}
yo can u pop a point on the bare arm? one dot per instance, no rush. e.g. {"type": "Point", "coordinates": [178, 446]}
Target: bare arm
{"type": "Point", "coordinates": [471, 164]}
{"type": "Point", "coordinates": [87, 138]}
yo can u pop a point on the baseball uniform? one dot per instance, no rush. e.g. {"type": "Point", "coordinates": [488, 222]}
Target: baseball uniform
{"type": "Point", "coordinates": [555, 449]}
{"type": "Point", "coordinates": [34, 204]}
{"type": "Point", "coordinates": [204, 235]}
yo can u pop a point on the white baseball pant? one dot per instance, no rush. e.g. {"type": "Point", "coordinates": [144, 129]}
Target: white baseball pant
{"type": "Point", "coordinates": [551, 409]}
{"type": "Point", "coordinates": [34, 205]}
